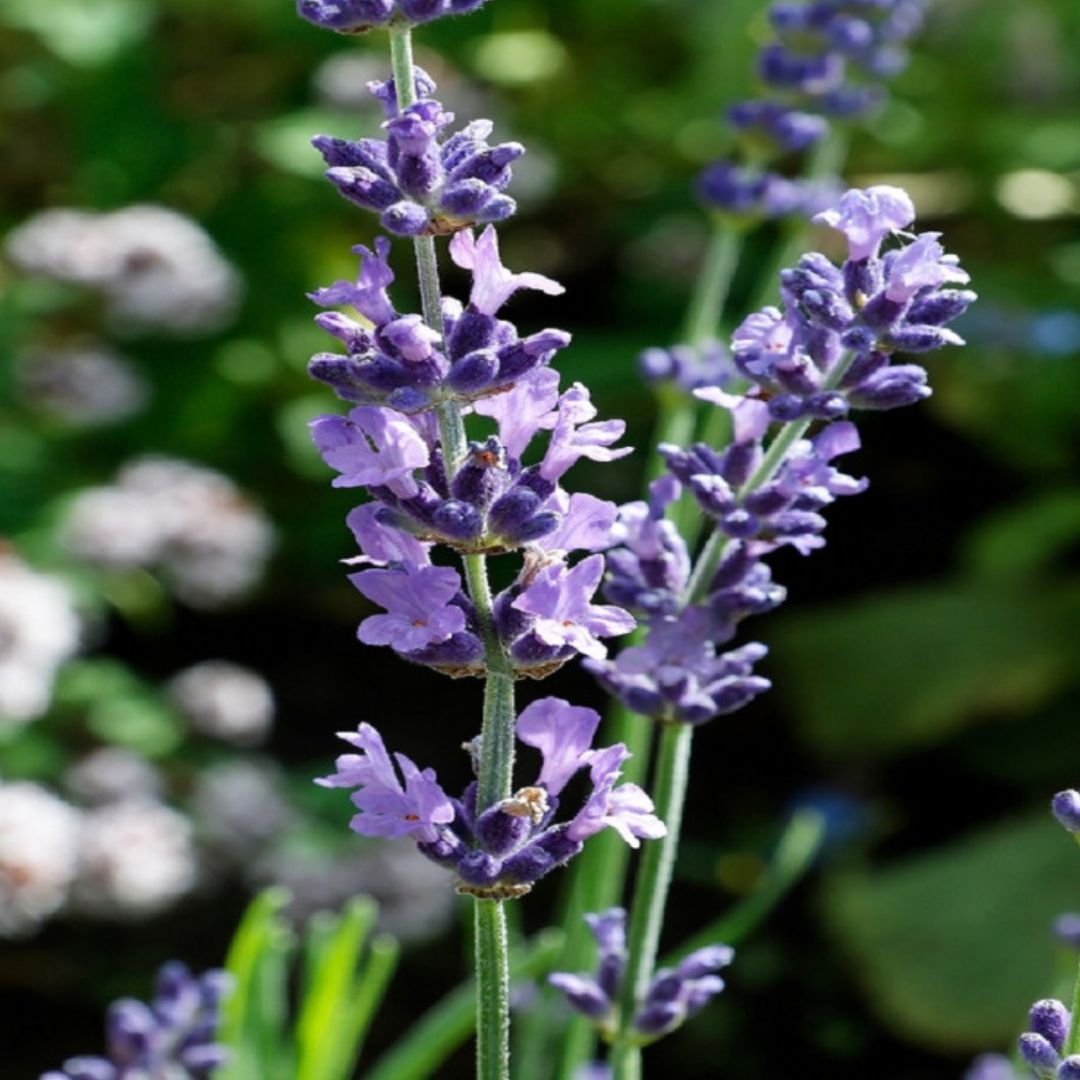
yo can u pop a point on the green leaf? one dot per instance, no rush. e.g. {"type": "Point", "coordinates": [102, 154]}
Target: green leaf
{"type": "Point", "coordinates": [910, 667]}
{"type": "Point", "coordinates": [253, 1019]}
{"type": "Point", "coordinates": [1023, 539]}
{"type": "Point", "coordinates": [954, 946]}
{"type": "Point", "coordinates": [322, 1054]}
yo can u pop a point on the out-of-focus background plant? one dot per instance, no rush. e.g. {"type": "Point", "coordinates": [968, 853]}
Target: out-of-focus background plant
{"type": "Point", "coordinates": [177, 639]}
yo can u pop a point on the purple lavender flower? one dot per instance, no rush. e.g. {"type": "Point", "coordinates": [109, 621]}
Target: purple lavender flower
{"type": "Point", "coordinates": [401, 363]}
{"type": "Point", "coordinates": [867, 217]}
{"type": "Point", "coordinates": [418, 182]}
{"type": "Point", "coordinates": [372, 448]}
{"type": "Point", "coordinates": [503, 850]}
{"type": "Point", "coordinates": [356, 16]}
{"type": "Point", "coordinates": [419, 602]}
{"type": "Point", "coordinates": [173, 1036]}
{"type": "Point", "coordinates": [563, 615]}
{"type": "Point", "coordinates": [574, 437]}
{"type": "Point", "coordinates": [387, 808]}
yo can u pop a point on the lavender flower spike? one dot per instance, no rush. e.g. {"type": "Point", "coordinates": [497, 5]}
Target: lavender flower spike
{"type": "Point", "coordinates": [563, 615]}
{"type": "Point", "coordinates": [173, 1036]}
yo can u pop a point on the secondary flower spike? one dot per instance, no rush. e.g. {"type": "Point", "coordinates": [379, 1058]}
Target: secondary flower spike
{"type": "Point", "coordinates": [674, 995]}
{"type": "Point", "coordinates": [503, 850]}
{"type": "Point", "coordinates": [419, 181]}
{"type": "Point", "coordinates": [829, 352]}
{"type": "Point", "coordinates": [172, 1037]}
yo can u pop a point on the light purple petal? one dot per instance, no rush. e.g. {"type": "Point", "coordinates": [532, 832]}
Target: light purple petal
{"type": "Point", "coordinates": [562, 733]}
{"type": "Point", "coordinates": [493, 284]}
{"type": "Point", "coordinates": [867, 216]}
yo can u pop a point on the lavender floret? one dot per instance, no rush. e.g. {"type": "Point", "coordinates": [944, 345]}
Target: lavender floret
{"type": "Point", "coordinates": [357, 16]}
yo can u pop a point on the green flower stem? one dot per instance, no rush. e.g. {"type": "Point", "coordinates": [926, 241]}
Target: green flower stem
{"type": "Point", "coordinates": [495, 780]}
{"type": "Point", "coordinates": [1072, 1041]}
{"type": "Point", "coordinates": [651, 891]}
{"type": "Point", "coordinates": [492, 992]}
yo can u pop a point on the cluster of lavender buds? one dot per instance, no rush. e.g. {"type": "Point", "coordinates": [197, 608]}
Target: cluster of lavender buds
{"type": "Point", "coordinates": [356, 16]}
{"type": "Point", "coordinates": [502, 851]}
{"type": "Point", "coordinates": [402, 363]}
{"type": "Point", "coordinates": [674, 995]}
{"type": "Point", "coordinates": [417, 181]}
{"type": "Point", "coordinates": [171, 1037]}
{"type": "Point", "coordinates": [828, 61]}
{"type": "Point", "coordinates": [1042, 1045]}
{"type": "Point", "coordinates": [829, 351]}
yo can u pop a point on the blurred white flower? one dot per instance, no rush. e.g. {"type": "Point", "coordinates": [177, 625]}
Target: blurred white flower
{"type": "Point", "coordinates": [156, 268]}
{"type": "Point", "coordinates": [193, 524]}
{"type": "Point", "coordinates": [225, 700]}
{"type": "Point", "coordinates": [240, 807]}
{"type": "Point", "coordinates": [87, 384]}
{"type": "Point", "coordinates": [39, 630]}
{"type": "Point", "coordinates": [135, 859]}
{"type": "Point", "coordinates": [39, 836]}
{"type": "Point", "coordinates": [111, 774]}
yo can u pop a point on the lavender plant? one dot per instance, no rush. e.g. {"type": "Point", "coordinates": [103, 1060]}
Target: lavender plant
{"type": "Point", "coordinates": [415, 380]}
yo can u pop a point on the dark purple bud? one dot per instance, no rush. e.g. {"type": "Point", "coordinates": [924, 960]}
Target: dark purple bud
{"type": "Point", "coordinates": [534, 529]}
{"type": "Point", "coordinates": [767, 500]}
{"type": "Point", "coordinates": [881, 313]}
{"type": "Point", "coordinates": [827, 406]}
{"type": "Point", "coordinates": [345, 15]}
{"type": "Point", "coordinates": [499, 209]}
{"type": "Point", "coordinates": [406, 219]}
{"type": "Point", "coordinates": [552, 849]}
{"type": "Point", "coordinates": [862, 367]}
{"type": "Point", "coordinates": [739, 524]}
{"type": "Point", "coordinates": [419, 176]}
{"type": "Point", "coordinates": [130, 1027]}
{"type": "Point", "coordinates": [862, 279]}
{"type": "Point", "coordinates": [891, 388]}
{"type": "Point", "coordinates": [473, 372]}
{"type": "Point", "coordinates": [458, 520]}
{"type": "Point", "coordinates": [859, 339]}
{"type": "Point", "coordinates": [705, 961]}
{"type": "Point", "coordinates": [472, 332]}
{"type": "Point", "coordinates": [584, 994]}
{"type": "Point", "coordinates": [1066, 808]}
{"type": "Point", "coordinates": [1069, 1069]}
{"type": "Point", "coordinates": [364, 187]}
{"type": "Point", "coordinates": [509, 514]}
{"type": "Point", "coordinates": [1050, 1019]}
{"type": "Point", "coordinates": [658, 1018]}
{"type": "Point", "coordinates": [482, 476]}
{"type": "Point", "coordinates": [465, 199]}
{"type": "Point", "coordinates": [420, 10]}
{"type": "Point", "coordinates": [366, 153]}
{"type": "Point", "coordinates": [408, 399]}
{"type": "Point", "coordinates": [479, 868]}
{"type": "Point", "coordinates": [941, 307]}
{"type": "Point", "coordinates": [500, 832]}
{"type": "Point", "coordinates": [920, 339]}
{"type": "Point", "coordinates": [827, 308]}
{"type": "Point", "coordinates": [787, 407]}
{"type": "Point", "coordinates": [1037, 1052]}
{"type": "Point", "coordinates": [489, 166]}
